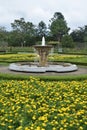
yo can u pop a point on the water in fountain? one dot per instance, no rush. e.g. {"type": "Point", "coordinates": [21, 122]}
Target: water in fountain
{"type": "Point", "coordinates": [43, 41]}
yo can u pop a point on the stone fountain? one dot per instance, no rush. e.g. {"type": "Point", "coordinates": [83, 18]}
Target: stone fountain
{"type": "Point", "coordinates": [43, 51]}
{"type": "Point", "coordinates": [43, 66]}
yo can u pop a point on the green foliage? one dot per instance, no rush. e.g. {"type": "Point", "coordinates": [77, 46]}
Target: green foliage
{"type": "Point", "coordinates": [80, 36]}
{"type": "Point", "coordinates": [58, 26]}
{"type": "Point", "coordinates": [27, 34]}
{"type": "Point", "coordinates": [23, 33]}
{"type": "Point", "coordinates": [41, 29]}
{"type": "Point", "coordinates": [75, 51]}
{"type": "Point", "coordinates": [3, 34]}
{"type": "Point", "coordinates": [22, 49]}
{"type": "Point", "coordinates": [15, 39]}
{"type": "Point", "coordinates": [67, 41]}
{"type": "Point", "coordinates": [49, 77]}
{"type": "Point", "coordinates": [23, 27]}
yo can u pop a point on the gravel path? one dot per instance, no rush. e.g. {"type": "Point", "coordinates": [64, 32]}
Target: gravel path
{"type": "Point", "coordinates": [81, 70]}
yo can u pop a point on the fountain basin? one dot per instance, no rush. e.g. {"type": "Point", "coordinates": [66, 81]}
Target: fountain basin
{"type": "Point", "coordinates": [35, 68]}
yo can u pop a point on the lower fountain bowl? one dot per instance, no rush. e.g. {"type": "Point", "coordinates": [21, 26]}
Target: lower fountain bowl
{"type": "Point", "coordinates": [65, 67]}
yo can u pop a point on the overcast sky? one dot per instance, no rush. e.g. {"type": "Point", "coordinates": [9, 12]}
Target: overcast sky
{"type": "Point", "coordinates": [74, 11]}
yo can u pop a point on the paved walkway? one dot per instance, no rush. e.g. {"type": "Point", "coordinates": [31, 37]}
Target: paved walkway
{"type": "Point", "coordinates": [81, 70]}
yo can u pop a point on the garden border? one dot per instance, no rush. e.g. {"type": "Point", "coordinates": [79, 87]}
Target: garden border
{"type": "Point", "coordinates": [5, 73]}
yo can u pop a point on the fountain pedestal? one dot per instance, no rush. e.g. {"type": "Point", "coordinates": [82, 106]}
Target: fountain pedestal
{"type": "Point", "coordinates": [43, 52]}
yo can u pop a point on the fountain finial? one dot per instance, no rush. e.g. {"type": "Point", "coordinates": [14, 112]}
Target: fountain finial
{"type": "Point", "coordinates": [43, 41]}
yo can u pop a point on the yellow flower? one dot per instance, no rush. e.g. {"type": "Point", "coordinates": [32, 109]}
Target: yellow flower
{"type": "Point", "coordinates": [54, 128]}
{"type": "Point", "coordinates": [34, 117]}
{"type": "Point", "coordinates": [44, 124]}
{"type": "Point", "coordinates": [26, 128]}
{"type": "Point", "coordinates": [43, 118]}
{"type": "Point", "coordinates": [86, 122]}
{"type": "Point", "coordinates": [10, 127]}
{"type": "Point", "coordinates": [38, 128]}
{"type": "Point", "coordinates": [19, 128]}
{"type": "Point", "coordinates": [80, 128]}
{"type": "Point", "coordinates": [61, 128]}
{"type": "Point", "coordinates": [3, 124]}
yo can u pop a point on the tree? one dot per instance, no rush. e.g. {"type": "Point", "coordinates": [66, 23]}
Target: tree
{"type": "Point", "coordinates": [3, 38]}
{"type": "Point", "coordinates": [57, 15]}
{"type": "Point", "coordinates": [15, 39]}
{"type": "Point", "coordinates": [67, 41]}
{"type": "Point", "coordinates": [85, 34]}
{"type": "Point", "coordinates": [41, 29]}
{"type": "Point", "coordinates": [23, 30]}
{"type": "Point", "coordinates": [3, 34]}
{"type": "Point", "coordinates": [78, 35]}
{"type": "Point", "coordinates": [58, 26]}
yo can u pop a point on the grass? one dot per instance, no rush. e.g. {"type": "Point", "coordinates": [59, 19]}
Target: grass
{"type": "Point", "coordinates": [43, 77]}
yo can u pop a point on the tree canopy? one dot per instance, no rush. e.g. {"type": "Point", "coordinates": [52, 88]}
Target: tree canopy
{"type": "Point", "coordinates": [27, 34]}
{"type": "Point", "coordinates": [41, 29]}
{"type": "Point", "coordinates": [58, 26]}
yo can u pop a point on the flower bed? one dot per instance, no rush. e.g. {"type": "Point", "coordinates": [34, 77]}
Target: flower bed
{"type": "Point", "coordinates": [17, 57]}
{"type": "Point", "coordinates": [82, 59]}
{"type": "Point", "coordinates": [39, 105]}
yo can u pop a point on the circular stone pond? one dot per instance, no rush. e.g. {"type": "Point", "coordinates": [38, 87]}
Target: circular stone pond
{"type": "Point", "coordinates": [25, 67]}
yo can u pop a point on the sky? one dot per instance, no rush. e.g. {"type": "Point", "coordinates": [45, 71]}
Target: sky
{"type": "Point", "coordinates": [74, 11]}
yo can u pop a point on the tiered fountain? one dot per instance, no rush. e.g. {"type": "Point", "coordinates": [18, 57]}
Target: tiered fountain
{"type": "Point", "coordinates": [43, 51]}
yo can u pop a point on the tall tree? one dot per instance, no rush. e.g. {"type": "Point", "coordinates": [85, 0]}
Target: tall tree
{"type": "Point", "coordinates": [58, 26]}
{"type": "Point", "coordinates": [24, 30]}
{"type": "Point", "coordinates": [41, 29]}
{"type": "Point", "coordinates": [23, 27]}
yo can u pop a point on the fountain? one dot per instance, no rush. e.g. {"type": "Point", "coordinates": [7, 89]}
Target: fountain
{"type": "Point", "coordinates": [43, 51]}
{"type": "Point", "coordinates": [43, 66]}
